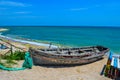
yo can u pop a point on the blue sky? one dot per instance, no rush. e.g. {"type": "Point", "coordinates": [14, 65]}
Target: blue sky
{"type": "Point", "coordinates": [60, 12]}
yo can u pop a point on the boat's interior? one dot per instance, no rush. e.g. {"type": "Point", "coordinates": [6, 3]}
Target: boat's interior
{"type": "Point", "coordinates": [70, 51]}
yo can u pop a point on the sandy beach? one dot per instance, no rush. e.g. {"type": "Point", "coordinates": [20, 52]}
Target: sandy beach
{"type": "Point", "coordinates": [82, 72]}
{"type": "Point", "coordinates": [59, 40]}
{"type": "Point", "coordinates": [27, 42]}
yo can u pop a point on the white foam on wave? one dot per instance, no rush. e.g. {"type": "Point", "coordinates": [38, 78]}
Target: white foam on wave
{"type": "Point", "coordinates": [28, 42]}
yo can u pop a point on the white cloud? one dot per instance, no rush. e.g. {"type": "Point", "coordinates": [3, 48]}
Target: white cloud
{"type": "Point", "coordinates": [22, 12]}
{"type": "Point", "coordinates": [11, 3]}
{"type": "Point", "coordinates": [78, 9]}
{"type": "Point", "coordinates": [25, 17]}
{"type": "Point", "coordinates": [85, 8]}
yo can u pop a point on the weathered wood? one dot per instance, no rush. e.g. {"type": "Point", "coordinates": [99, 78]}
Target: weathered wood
{"type": "Point", "coordinates": [67, 55]}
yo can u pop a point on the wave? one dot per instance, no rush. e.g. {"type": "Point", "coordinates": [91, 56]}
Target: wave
{"type": "Point", "coordinates": [27, 42]}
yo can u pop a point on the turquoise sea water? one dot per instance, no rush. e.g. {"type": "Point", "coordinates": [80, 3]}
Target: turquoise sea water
{"type": "Point", "coordinates": [69, 36]}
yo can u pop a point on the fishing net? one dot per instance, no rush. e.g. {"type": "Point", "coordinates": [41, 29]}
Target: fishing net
{"type": "Point", "coordinates": [28, 63]}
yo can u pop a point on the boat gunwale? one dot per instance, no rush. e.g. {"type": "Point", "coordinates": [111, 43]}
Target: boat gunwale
{"type": "Point", "coordinates": [75, 55]}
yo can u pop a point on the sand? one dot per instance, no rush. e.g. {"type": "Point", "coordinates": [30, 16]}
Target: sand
{"type": "Point", "coordinates": [81, 72]}
{"type": "Point", "coordinates": [34, 43]}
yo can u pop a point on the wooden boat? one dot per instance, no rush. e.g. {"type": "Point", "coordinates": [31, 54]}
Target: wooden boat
{"type": "Point", "coordinates": [67, 56]}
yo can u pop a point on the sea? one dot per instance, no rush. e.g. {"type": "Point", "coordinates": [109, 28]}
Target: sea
{"type": "Point", "coordinates": [68, 36]}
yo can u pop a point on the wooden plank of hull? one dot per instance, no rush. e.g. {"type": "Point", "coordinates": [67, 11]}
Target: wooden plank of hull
{"type": "Point", "coordinates": [41, 60]}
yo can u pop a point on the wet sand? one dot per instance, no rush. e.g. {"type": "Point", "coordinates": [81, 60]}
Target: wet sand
{"type": "Point", "coordinates": [3, 29]}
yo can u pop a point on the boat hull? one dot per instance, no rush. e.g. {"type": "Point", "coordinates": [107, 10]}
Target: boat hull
{"type": "Point", "coordinates": [49, 61]}
{"type": "Point", "coordinates": [40, 58]}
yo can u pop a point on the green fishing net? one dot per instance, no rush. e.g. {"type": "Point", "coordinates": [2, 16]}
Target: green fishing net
{"type": "Point", "coordinates": [28, 63]}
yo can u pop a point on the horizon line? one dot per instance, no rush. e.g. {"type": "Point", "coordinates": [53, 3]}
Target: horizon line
{"type": "Point", "coordinates": [50, 26]}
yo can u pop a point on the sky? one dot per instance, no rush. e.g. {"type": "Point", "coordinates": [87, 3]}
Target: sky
{"type": "Point", "coordinates": [60, 12]}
